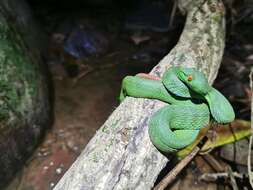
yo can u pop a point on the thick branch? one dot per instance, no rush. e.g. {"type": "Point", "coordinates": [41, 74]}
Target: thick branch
{"type": "Point", "coordinates": [120, 155]}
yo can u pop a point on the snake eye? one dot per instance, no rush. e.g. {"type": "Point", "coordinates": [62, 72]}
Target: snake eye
{"type": "Point", "coordinates": [189, 78]}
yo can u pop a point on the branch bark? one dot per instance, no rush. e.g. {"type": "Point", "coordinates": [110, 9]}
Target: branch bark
{"type": "Point", "coordinates": [120, 155]}
{"type": "Point", "coordinates": [250, 173]}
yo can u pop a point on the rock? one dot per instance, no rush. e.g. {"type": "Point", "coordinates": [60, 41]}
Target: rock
{"type": "Point", "coordinates": [84, 42]}
{"type": "Point", "coordinates": [25, 110]}
{"type": "Point", "coordinates": [20, 15]}
{"type": "Point", "coordinates": [237, 152]}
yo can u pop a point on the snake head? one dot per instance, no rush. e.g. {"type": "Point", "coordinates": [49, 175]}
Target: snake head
{"type": "Point", "coordinates": [194, 79]}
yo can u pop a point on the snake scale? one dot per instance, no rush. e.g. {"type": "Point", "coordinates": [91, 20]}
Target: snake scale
{"type": "Point", "coordinates": [193, 102]}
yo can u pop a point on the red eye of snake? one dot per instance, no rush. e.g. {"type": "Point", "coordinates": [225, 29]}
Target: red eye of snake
{"type": "Point", "coordinates": [190, 78]}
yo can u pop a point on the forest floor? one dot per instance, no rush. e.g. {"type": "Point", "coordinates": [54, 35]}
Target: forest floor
{"type": "Point", "coordinates": [83, 102]}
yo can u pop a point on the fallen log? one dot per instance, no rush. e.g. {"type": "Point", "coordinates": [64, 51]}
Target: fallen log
{"type": "Point", "coordinates": [120, 155]}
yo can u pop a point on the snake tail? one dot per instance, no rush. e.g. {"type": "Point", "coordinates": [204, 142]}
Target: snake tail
{"type": "Point", "coordinates": [139, 87]}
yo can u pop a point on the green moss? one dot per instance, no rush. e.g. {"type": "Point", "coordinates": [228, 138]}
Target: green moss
{"type": "Point", "coordinates": [181, 58]}
{"type": "Point", "coordinates": [18, 76]}
{"type": "Point", "coordinates": [105, 128]}
{"type": "Point", "coordinates": [217, 17]}
{"type": "Point", "coordinates": [95, 158]}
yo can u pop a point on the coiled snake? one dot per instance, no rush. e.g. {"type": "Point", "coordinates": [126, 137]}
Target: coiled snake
{"type": "Point", "coordinates": [192, 102]}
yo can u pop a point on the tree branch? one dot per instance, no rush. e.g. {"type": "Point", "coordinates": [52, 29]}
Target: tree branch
{"type": "Point", "coordinates": [120, 155]}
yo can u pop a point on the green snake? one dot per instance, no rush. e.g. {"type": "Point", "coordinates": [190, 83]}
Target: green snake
{"type": "Point", "coordinates": [193, 102]}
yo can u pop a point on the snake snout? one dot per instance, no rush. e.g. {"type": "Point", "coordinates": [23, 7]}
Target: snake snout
{"type": "Point", "coordinates": [195, 80]}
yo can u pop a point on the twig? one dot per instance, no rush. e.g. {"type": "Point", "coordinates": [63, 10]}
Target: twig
{"type": "Point", "coordinates": [211, 177]}
{"type": "Point", "coordinates": [90, 69]}
{"type": "Point", "coordinates": [217, 166]}
{"type": "Point", "coordinates": [172, 15]}
{"type": "Point", "coordinates": [180, 166]}
{"type": "Point", "coordinates": [250, 141]}
{"type": "Point", "coordinates": [176, 170]}
{"type": "Point", "coordinates": [232, 179]}
{"type": "Point", "coordinates": [83, 74]}
{"type": "Point", "coordinates": [213, 162]}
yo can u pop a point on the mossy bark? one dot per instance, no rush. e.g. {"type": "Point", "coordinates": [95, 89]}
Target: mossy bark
{"type": "Point", "coordinates": [24, 100]}
{"type": "Point", "coordinates": [120, 155]}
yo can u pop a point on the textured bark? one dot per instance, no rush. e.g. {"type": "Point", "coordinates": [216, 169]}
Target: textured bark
{"type": "Point", "coordinates": [120, 155]}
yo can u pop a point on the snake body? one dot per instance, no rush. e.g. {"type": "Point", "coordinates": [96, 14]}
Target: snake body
{"type": "Point", "coordinates": [192, 103]}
